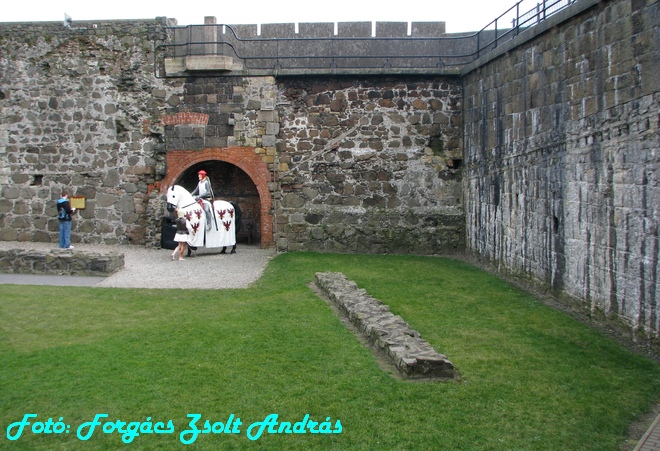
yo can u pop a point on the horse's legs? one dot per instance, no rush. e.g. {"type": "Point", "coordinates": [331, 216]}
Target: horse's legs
{"type": "Point", "coordinates": [233, 249]}
{"type": "Point", "coordinates": [224, 250]}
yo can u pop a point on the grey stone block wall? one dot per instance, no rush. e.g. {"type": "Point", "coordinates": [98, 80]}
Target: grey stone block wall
{"type": "Point", "coordinates": [358, 165]}
{"type": "Point", "coordinates": [73, 106]}
{"type": "Point", "coordinates": [370, 165]}
{"type": "Point", "coordinates": [562, 162]}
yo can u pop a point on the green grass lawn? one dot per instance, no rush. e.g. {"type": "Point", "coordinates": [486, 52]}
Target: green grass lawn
{"type": "Point", "coordinates": [531, 378]}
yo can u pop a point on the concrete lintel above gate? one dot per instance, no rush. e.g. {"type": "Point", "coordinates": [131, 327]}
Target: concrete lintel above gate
{"type": "Point", "coordinates": [201, 63]}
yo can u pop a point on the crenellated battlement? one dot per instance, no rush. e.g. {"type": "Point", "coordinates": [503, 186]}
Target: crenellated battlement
{"type": "Point", "coordinates": [316, 48]}
{"type": "Point", "coordinates": [301, 30]}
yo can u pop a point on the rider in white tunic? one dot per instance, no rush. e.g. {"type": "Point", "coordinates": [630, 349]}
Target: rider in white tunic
{"type": "Point", "coordinates": [205, 192]}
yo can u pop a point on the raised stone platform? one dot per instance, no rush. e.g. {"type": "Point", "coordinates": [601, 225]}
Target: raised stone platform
{"type": "Point", "coordinates": [411, 355]}
{"type": "Point", "coordinates": [60, 262]}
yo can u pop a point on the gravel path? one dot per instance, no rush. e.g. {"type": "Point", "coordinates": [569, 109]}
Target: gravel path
{"type": "Point", "coordinates": [154, 268]}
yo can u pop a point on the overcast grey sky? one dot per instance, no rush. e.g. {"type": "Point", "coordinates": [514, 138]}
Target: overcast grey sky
{"type": "Point", "coordinates": [459, 15]}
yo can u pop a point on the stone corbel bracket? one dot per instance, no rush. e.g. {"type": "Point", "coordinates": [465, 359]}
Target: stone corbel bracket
{"type": "Point", "coordinates": [411, 355]}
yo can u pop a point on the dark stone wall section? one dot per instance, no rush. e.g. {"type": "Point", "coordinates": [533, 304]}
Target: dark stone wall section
{"type": "Point", "coordinates": [562, 163]}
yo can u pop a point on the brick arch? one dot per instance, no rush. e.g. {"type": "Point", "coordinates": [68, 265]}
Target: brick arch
{"type": "Point", "coordinates": [178, 161]}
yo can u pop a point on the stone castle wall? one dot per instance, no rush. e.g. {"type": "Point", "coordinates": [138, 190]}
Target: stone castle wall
{"type": "Point", "coordinates": [73, 103]}
{"type": "Point", "coordinates": [542, 161]}
{"type": "Point", "coordinates": [371, 165]}
{"type": "Point", "coordinates": [366, 165]}
{"type": "Point", "coordinates": [562, 163]}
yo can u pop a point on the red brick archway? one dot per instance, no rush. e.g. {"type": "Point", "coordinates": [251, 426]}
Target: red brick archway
{"type": "Point", "coordinates": [178, 161]}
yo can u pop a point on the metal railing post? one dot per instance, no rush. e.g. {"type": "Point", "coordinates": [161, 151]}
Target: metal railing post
{"type": "Point", "coordinates": [479, 44]}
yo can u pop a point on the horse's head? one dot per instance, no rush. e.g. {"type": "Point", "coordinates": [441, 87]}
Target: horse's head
{"type": "Point", "coordinates": [178, 196]}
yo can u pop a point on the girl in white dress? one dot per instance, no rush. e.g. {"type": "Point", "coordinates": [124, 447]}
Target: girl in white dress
{"type": "Point", "coordinates": [181, 237]}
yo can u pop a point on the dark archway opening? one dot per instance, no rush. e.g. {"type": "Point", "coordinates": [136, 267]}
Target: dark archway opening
{"type": "Point", "coordinates": [230, 183]}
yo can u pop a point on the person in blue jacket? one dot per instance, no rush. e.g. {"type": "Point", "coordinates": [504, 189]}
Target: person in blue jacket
{"type": "Point", "coordinates": [64, 212]}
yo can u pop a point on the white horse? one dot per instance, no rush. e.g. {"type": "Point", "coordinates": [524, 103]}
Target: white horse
{"type": "Point", "coordinates": [222, 232]}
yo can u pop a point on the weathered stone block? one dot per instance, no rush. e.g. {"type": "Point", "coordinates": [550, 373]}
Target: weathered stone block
{"type": "Point", "coordinates": [60, 262]}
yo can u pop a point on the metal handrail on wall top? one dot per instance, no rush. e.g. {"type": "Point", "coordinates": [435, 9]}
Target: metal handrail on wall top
{"type": "Point", "coordinates": [353, 54]}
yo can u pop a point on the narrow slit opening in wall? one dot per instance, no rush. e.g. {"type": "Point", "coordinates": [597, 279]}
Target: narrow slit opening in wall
{"type": "Point", "coordinates": [37, 180]}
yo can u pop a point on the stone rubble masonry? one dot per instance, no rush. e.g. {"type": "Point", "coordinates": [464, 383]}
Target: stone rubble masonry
{"type": "Point", "coordinates": [413, 356]}
{"type": "Point", "coordinates": [60, 262]}
{"type": "Point", "coordinates": [370, 165]}
{"type": "Point", "coordinates": [73, 108]}
{"type": "Point", "coordinates": [358, 165]}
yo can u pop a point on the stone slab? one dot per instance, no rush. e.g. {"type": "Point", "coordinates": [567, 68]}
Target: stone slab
{"type": "Point", "coordinates": [60, 262]}
{"type": "Point", "coordinates": [411, 355]}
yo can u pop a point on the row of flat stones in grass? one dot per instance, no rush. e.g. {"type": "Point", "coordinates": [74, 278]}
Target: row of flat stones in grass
{"type": "Point", "coordinates": [60, 262]}
{"type": "Point", "coordinates": [412, 356]}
